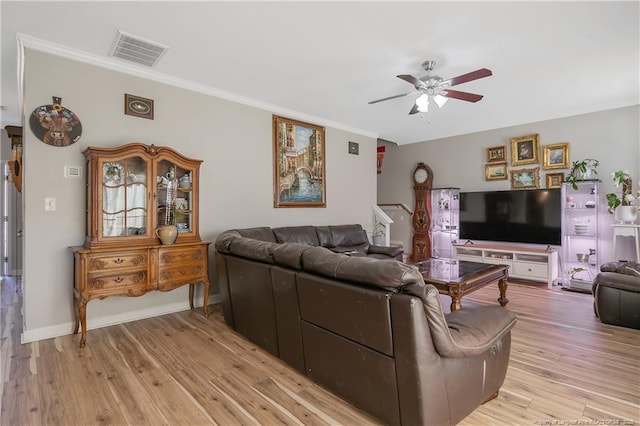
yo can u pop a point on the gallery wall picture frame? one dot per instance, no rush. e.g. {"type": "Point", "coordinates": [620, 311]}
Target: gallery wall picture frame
{"type": "Point", "coordinates": [496, 171]}
{"type": "Point", "coordinates": [554, 180]}
{"type": "Point", "coordinates": [496, 154]}
{"type": "Point", "coordinates": [555, 156]}
{"type": "Point", "coordinates": [138, 106]}
{"type": "Point", "coordinates": [525, 150]}
{"type": "Point", "coordinates": [298, 164]}
{"type": "Point", "coordinates": [525, 178]}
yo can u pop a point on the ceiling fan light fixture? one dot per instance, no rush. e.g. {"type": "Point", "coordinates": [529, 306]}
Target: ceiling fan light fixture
{"type": "Point", "coordinates": [440, 100]}
{"type": "Point", "coordinates": [423, 103]}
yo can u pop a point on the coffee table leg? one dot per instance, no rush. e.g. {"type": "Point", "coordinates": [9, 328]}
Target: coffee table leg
{"type": "Point", "coordinates": [456, 300]}
{"type": "Point", "coordinates": [502, 285]}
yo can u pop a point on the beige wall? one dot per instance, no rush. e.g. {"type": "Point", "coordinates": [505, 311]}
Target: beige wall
{"type": "Point", "coordinates": [235, 142]}
{"type": "Point", "coordinates": [612, 137]}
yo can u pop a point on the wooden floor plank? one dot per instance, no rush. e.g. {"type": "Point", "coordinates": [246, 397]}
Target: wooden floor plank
{"type": "Point", "coordinates": [565, 367]}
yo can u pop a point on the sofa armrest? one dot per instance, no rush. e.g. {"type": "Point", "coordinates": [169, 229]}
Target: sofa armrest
{"type": "Point", "coordinates": [391, 251]}
{"type": "Point", "coordinates": [465, 332]}
{"type": "Point", "coordinates": [617, 280]}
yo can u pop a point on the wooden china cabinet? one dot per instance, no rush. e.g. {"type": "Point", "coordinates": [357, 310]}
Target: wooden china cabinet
{"type": "Point", "coordinates": [131, 190]}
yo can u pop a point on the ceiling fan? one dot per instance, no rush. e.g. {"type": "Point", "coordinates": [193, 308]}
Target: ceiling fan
{"type": "Point", "coordinates": [433, 87]}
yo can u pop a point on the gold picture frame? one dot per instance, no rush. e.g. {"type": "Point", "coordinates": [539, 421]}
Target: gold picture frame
{"type": "Point", "coordinates": [554, 180]}
{"type": "Point", "coordinates": [138, 106]}
{"type": "Point", "coordinates": [298, 164]}
{"type": "Point", "coordinates": [496, 154]}
{"type": "Point", "coordinates": [525, 178]}
{"type": "Point", "coordinates": [524, 150]}
{"type": "Point", "coordinates": [496, 171]}
{"type": "Point", "coordinates": [555, 156]}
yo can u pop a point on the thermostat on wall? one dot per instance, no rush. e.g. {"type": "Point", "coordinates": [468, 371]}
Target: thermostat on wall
{"type": "Point", "coordinates": [72, 171]}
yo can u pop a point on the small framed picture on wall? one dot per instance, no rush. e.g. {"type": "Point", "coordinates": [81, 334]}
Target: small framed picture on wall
{"type": "Point", "coordinates": [138, 106]}
{"type": "Point", "coordinates": [525, 178]}
{"type": "Point", "coordinates": [496, 154]}
{"type": "Point", "coordinates": [524, 150]}
{"type": "Point", "coordinates": [554, 180]}
{"type": "Point", "coordinates": [496, 171]}
{"type": "Point", "coordinates": [555, 156]}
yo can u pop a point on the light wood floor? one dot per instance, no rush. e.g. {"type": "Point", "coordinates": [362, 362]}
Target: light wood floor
{"type": "Point", "coordinates": [183, 369]}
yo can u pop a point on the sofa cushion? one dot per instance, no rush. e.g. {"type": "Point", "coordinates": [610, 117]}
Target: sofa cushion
{"type": "Point", "coordinates": [290, 254]}
{"type": "Point", "coordinates": [253, 249]}
{"type": "Point", "coordinates": [465, 332]}
{"type": "Point", "coordinates": [348, 236]}
{"type": "Point", "coordinates": [387, 274]}
{"type": "Point", "coordinates": [324, 236]}
{"type": "Point", "coordinates": [296, 234]}
{"type": "Point", "coordinates": [262, 233]}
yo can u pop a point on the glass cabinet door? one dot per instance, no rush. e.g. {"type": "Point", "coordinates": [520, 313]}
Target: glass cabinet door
{"type": "Point", "coordinates": [124, 197]}
{"type": "Point", "coordinates": [174, 195]}
{"type": "Point", "coordinates": [445, 215]}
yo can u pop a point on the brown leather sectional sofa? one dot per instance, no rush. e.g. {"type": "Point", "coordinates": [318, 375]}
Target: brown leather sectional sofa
{"type": "Point", "coordinates": [367, 329]}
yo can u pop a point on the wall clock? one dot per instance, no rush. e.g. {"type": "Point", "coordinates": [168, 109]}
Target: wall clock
{"type": "Point", "coordinates": [421, 221]}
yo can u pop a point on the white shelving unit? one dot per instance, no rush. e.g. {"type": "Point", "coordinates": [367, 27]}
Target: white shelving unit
{"type": "Point", "coordinates": [445, 218]}
{"type": "Point", "coordinates": [580, 248]}
{"type": "Point", "coordinates": [526, 263]}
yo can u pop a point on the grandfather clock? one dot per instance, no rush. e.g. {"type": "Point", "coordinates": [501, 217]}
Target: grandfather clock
{"type": "Point", "coordinates": [421, 244]}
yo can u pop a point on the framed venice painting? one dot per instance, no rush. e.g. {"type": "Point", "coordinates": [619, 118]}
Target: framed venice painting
{"type": "Point", "coordinates": [298, 164]}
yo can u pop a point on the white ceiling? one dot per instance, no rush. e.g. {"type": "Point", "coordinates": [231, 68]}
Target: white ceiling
{"type": "Point", "coordinates": [323, 61]}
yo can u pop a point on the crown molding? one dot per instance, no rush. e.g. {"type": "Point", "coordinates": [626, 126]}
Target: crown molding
{"type": "Point", "coordinates": [28, 42]}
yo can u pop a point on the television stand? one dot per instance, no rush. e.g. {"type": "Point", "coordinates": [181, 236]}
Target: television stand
{"type": "Point", "coordinates": [528, 263]}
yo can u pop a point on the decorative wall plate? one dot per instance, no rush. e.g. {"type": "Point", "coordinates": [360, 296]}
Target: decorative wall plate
{"type": "Point", "coordinates": [55, 125]}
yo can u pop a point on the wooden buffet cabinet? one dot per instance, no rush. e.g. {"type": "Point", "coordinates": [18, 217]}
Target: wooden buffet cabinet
{"type": "Point", "coordinates": [130, 191]}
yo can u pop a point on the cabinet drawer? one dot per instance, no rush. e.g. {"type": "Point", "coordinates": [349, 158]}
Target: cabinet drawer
{"type": "Point", "coordinates": [112, 261]}
{"type": "Point", "coordinates": [183, 274]}
{"type": "Point", "coordinates": [176, 255]}
{"type": "Point", "coordinates": [129, 284]}
{"type": "Point", "coordinates": [530, 269]}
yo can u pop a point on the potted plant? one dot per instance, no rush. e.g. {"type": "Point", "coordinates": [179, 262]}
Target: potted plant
{"type": "Point", "coordinates": [581, 170]}
{"type": "Point", "coordinates": [621, 205]}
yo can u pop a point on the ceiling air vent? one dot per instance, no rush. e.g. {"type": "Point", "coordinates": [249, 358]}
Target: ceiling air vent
{"type": "Point", "coordinates": [135, 49]}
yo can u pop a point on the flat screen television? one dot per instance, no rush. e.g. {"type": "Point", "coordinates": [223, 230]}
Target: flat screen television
{"type": "Point", "coordinates": [523, 216]}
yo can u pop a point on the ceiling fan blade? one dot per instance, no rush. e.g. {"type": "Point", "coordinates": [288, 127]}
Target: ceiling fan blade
{"type": "Point", "coordinates": [473, 75]}
{"type": "Point", "coordinates": [414, 110]}
{"type": "Point", "coordinates": [463, 96]}
{"type": "Point", "coordinates": [419, 84]}
{"type": "Point", "coordinates": [391, 97]}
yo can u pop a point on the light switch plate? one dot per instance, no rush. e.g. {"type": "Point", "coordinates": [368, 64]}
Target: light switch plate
{"type": "Point", "coordinates": [49, 204]}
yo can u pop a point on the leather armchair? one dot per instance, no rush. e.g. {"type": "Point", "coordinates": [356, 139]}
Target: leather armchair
{"type": "Point", "coordinates": [616, 292]}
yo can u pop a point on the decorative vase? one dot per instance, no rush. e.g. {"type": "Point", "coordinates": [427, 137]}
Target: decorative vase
{"type": "Point", "coordinates": [626, 214]}
{"type": "Point", "coordinates": [167, 234]}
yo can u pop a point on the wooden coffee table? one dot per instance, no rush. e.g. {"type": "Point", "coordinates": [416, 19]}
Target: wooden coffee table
{"type": "Point", "coordinates": [457, 278]}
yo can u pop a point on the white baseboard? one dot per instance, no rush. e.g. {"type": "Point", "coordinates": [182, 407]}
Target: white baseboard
{"type": "Point", "coordinates": [109, 320]}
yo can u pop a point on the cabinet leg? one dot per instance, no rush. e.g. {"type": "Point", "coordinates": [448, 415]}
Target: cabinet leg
{"type": "Point", "coordinates": [82, 313]}
{"type": "Point", "coordinates": [191, 287]}
{"type": "Point", "coordinates": [502, 285]}
{"type": "Point", "coordinates": [205, 306]}
{"type": "Point", "coordinates": [76, 312]}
